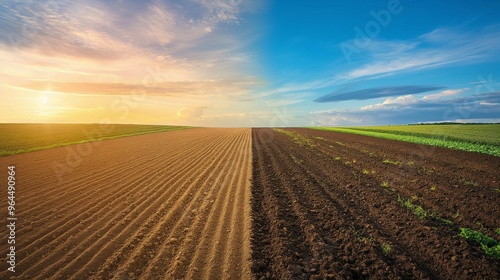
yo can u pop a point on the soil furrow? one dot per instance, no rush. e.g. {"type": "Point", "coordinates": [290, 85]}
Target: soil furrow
{"type": "Point", "coordinates": [368, 233]}
{"type": "Point", "coordinates": [194, 252]}
{"type": "Point", "coordinates": [137, 195]}
{"type": "Point", "coordinates": [331, 203]}
{"type": "Point", "coordinates": [78, 181]}
{"type": "Point", "coordinates": [91, 244]}
{"type": "Point", "coordinates": [171, 206]}
{"type": "Point", "coordinates": [442, 188]}
{"type": "Point", "coordinates": [89, 222]}
{"type": "Point", "coordinates": [178, 216]}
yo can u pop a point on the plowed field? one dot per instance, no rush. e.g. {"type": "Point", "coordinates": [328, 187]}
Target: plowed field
{"type": "Point", "coordinates": [208, 203]}
{"type": "Point", "coordinates": [331, 205]}
{"type": "Point", "coordinates": [161, 206]}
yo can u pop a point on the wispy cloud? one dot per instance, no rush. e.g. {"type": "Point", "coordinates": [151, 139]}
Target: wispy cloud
{"type": "Point", "coordinates": [438, 48]}
{"type": "Point", "coordinates": [101, 26]}
{"type": "Point", "coordinates": [227, 89]}
{"type": "Point", "coordinates": [442, 47]}
{"type": "Point", "coordinates": [190, 112]}
{"type": "Point", "coordinates": [193, 40]}
{"type": "Point", "coordinates": [177, 57]}
{"type": "Point", "coordinates": [371, 93]}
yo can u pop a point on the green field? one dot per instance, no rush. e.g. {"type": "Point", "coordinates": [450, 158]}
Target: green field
{"type": "Point", "coordinates": [22, 138]}
{"type": "Point", "coordinates": [482, 138]}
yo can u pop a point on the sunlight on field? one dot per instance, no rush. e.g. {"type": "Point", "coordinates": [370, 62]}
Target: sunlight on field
{"type": "Point", "coordinates": [21, 138]}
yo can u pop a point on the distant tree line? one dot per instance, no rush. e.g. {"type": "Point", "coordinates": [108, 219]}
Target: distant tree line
{"type": "Point", "coordinates": [448, 123]}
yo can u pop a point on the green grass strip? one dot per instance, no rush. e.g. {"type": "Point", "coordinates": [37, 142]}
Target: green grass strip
{"type": "Point", "coordinates": [475, 133]}
{"type": "Point", "coordinates": [422, 139]}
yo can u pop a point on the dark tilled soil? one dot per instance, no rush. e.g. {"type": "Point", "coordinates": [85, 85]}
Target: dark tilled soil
{"type": "Point", "coordinates": [325, 206]}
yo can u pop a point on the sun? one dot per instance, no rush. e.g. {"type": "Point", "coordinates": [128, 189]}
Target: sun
{"type": "Point", "coordinates": [45, 97]}
{"type": "Point", "coordinates": [45, 103]}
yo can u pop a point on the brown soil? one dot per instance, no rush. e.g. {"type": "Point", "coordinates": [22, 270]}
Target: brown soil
{"type": "Point", "coordinates": [162, 206]}
{"type": "Point", "coordinates": [325, 206]}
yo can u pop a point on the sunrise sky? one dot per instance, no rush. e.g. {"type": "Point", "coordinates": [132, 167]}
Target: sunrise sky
{"type": "Point", "coordinates": [250, 63]}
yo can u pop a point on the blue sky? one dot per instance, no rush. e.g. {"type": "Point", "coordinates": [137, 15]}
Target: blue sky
{"type": "Point", "coordinates": [250, 63]}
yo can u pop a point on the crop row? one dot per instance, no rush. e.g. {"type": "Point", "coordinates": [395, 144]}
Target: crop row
{"type": "Point", "coordinates": [439, 140]}
{"type": "Point", "coordinates": [489, 245]}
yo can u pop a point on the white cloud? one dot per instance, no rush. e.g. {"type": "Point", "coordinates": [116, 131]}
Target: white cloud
{"type": "Point", "coordinates": [488, 104]}
{"type": "Point", "coordinates": [405, 100]}
{"type": "Point", "coordinates": [392, 103]}
{"type": "Point", "coordinates": [401, 100]}
{"type": "Point", "coordinates": [408, 109]}
{"type": "Point", "coordinates": [444, 93]}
